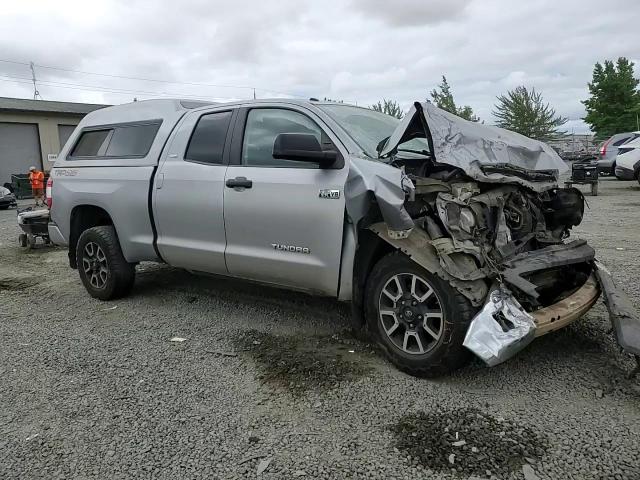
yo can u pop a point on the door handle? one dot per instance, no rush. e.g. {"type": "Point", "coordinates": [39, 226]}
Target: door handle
{"type": "Point", "coordinates": [159, 180]}
{"type": "Point", "coordinates": [239, 182]}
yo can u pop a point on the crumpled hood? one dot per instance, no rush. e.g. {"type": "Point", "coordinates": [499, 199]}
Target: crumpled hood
{"type": "Point", "coordinates": [486, 153]}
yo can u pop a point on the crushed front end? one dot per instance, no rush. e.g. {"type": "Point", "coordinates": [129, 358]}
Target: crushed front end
{"type": "Point", "coordinates": [488, 216]}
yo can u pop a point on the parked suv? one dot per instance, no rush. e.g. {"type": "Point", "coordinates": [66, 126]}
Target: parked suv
{"type": "Point", "coordinates": [628, 160]}
{"type": "Point", "coordinates": [609, 150]}
{"type": "Point", "coordinates": [432, 240]}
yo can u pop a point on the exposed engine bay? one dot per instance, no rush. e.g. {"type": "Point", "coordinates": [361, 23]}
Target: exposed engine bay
{"type": "Point", "coordinates": [478, 229]}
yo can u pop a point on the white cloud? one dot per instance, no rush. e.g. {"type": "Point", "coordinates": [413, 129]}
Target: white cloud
{"type": "Point", "coordinates": [359, 51]}
{"type": "Point", "coordinates": [411, 12]}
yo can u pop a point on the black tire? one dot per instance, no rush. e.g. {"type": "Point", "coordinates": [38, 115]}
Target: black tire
{"type": "Point", "coordinates": [115, 276]}
{"type": "Point", "coordinates": [613, 170]}
{"type": "Point", "coordinates": [446, 353]}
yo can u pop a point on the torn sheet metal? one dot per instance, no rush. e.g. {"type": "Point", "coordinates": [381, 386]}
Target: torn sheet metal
{"type": "Point", "coordinates": [420, 248]}
{"type": "Point", "coordinates": [501, 329]}
{"type": "Point", "coordinates": [516, 269]}
{"type": "Point", "coordinates": [623, 317]}
{"type": "Point", "coordinates": [484, 152]}
{"type": "Point", "coordinates": [388, 184]}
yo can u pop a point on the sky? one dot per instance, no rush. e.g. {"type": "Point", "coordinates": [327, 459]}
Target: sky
{"type": "Point", "coordinates": [358, 51]}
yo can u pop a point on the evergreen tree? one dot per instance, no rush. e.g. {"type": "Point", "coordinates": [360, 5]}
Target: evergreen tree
{"type": "Point", "coordinates": [615, 100]}
{"type": "Point", "coordinates": [444, 100]}
{"type": "Point", "coordinates": [390, 107]}
{"type": "Point", "coordinates": [525, 112]}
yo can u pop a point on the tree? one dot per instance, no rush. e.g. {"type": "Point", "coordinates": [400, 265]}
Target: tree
{"type": "Point", "coordinates": [615, 100]}
{"type": "Point", "coordinates": [444, 100]}
{"type": "Point", "coordinates": [525, 112]}
{"type": "Point", "coordinates": [390, 107]}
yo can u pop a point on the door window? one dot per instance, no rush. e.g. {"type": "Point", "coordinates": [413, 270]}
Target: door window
{"type": "Point", "coordinates": [207, 141]}
{"type": "Point", "coordinates": [262, 128]}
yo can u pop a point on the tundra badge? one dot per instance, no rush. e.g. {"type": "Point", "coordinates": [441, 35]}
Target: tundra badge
{"type": "Point", "coordinates": [290, 248]}
{"type": "Point", "coordinates": [329, 193]}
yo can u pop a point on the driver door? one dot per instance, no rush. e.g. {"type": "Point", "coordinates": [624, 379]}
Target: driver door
{"type": "Point", "coordinates": [279, 227]}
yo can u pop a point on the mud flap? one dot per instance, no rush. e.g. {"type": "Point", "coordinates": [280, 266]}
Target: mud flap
{"type": "Point", "coordinates": [622, 314]}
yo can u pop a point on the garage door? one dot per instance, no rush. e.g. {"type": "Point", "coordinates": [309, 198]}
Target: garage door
{"type": "Point", "coordinates": [19, 149]}
{"type": "Point", "coordinates": [64, 132]}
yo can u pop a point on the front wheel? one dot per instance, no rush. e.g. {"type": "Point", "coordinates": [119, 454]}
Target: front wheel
{"type": "Point", "coordinates": [103, 269]}
{"type": "Point", "coordinates": [418, 319]}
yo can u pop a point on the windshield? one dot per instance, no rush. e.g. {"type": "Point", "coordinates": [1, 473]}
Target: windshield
{"type": "Point", "coordinates": [368, 127]}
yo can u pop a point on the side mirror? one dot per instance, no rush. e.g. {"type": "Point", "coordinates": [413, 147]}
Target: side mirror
{"type": "Point", "coordinates": [303, 147]}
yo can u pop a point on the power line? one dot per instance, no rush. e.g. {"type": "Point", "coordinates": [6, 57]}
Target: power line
{"type": "Point", "coordinates": [196, 84]}
{"type": "Point", "coordinates": [106, 90]}
{"type": "Point", "coordinates": [97, 88]}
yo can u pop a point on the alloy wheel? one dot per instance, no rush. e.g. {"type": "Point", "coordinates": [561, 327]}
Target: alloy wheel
{"type": "Point", "coordinates": [410, 313]}
{"type": "Point", "coordinates": [94, 264]}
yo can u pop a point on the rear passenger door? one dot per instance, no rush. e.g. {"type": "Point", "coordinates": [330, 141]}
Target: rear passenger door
{"type": "Point", "coordinates": [188, 192]}
{"type": "Point", "coordinates": [285, 225]}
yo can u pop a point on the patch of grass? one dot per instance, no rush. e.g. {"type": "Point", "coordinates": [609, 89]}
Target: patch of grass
{"type": "Point", "coordinates": [300, 364]}
{"type": "Point", "coordinates": [484, 442]}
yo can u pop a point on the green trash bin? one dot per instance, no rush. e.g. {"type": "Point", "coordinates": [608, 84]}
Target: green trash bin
{"type": "Point", "coordinates": [22, 186]}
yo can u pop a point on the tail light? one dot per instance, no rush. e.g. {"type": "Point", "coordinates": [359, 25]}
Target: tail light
{"type": "Point", "coordinates": [48, 192]}
{"type": "Point", "coordinates": [603, 148]}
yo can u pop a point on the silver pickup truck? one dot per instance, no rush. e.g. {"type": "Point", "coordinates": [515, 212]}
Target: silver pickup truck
{"type": "Point", "coordinates": [446, 236]}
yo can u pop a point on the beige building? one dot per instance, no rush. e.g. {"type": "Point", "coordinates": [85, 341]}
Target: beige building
{"type": "Point", "coordinates": [33, 131]}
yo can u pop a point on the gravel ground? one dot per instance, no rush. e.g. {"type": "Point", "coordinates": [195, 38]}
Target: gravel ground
{"type": "Point", "coordinates": [269, 384]}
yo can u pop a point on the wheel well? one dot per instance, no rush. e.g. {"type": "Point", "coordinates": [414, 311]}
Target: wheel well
{"type": "Point", "coordinates": [84, 217]}
{"type": "Point", "coordinates": [369, 250]}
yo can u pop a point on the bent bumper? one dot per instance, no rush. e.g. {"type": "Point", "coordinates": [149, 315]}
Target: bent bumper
{"type": "Point", "coordinates": [623, 316]}
{"type": "Point", "coordinates": [56, 236]}
{"type": "Point", "coordinates": [567, 311]}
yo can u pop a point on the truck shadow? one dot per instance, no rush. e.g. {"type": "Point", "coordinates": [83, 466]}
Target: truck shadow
{"type": "Point", "coordinates": [160, 280]}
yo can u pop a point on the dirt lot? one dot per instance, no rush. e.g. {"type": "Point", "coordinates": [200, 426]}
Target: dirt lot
{"type": "Point", "coordinates": [267, 378]}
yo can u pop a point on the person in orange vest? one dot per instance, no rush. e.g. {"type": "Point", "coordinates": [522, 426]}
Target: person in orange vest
{"type": "Point", "coordinates": [36, 178]}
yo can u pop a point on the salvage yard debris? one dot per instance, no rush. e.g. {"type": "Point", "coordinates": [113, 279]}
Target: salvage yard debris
{"type": "Point", "coordinates": [263, 465]}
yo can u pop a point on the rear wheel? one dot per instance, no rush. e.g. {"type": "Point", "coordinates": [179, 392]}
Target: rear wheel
{"type": "Point", "coordinates": [418, 319]}
{"type": "Point", "coordinates": [103, 269]}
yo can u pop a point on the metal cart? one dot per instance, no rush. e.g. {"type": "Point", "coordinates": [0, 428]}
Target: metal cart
{"type": "Point", "coordinates": [34, 224]}
{"type": "Point", "coordinates": [584, 172]}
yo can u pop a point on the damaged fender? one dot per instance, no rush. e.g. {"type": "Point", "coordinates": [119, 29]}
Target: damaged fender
{"type": "Point", "coordinates": [624, 318]}
{"type": "Point", "coordinates": [389, 185]}
{"type": "Point", "coordinates": [419, 247]}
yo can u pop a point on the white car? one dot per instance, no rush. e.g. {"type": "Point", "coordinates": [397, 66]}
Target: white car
{"type": "Point", "coordinates": [628, 160]}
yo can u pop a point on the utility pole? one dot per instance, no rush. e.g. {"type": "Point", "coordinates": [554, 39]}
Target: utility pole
{"type": "Point", "coordinates": [254, 93]}
{"type": "Point", "coordinates": [36, 93]}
